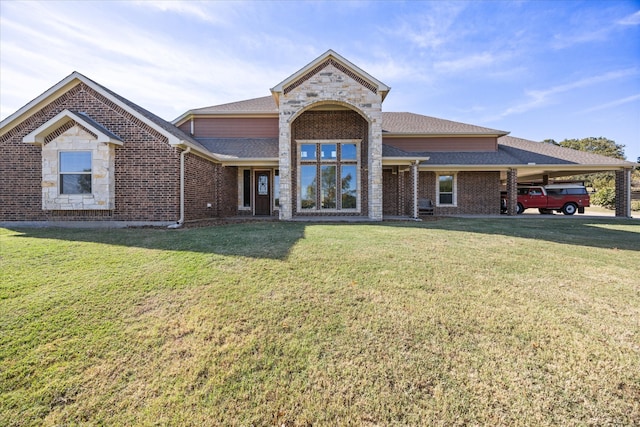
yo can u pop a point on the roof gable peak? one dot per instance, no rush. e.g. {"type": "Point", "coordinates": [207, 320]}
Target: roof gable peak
{"type": "Point", "coordinates": [330, 57]}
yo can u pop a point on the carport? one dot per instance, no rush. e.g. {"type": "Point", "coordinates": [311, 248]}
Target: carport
{"type": "Point", "coordinates": [535, 161]}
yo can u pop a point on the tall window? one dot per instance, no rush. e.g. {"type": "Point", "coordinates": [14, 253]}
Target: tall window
{"type": "Point", "coordinates": [276, 188]}
{"type": "Point", "coordinates": [75, 172]}
{"type": "Point", "coordinates": [446, 189]}
{"type": "Point", "coordinates": [328, 176]}
{"type": "Point", "coordinates": [246, 188]}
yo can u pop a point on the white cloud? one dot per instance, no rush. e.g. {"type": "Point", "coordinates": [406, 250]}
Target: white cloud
{"type": "Point", "coordinates": [198, 9]}
{"type": "Point", "coordinates": [538, 98]}
{"type": "Point", "coordinates": [593, 28]}
{"type": "Point", "coordinates": [612, 104]}
{"type": "Point", "coordinates": [633, 19]}
{"type": "Point", "coordinates": [470, 62]}
{"type": "Point", "coordinates": [429, 29]}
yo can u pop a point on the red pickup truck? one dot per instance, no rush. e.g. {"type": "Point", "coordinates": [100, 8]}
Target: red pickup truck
{"type": "Point", "coordinates": [567, 199]}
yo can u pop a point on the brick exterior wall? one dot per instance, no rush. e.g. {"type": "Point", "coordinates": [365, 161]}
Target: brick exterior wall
{"type": "Point", "coordinates": [227, 185]}
{"type": "Point", "coordinates": [146, 166]}
{"type": "Point", "coordinates": [207, 182]}
{"type": "Point", "coordinates": [623, 183]}
{"type": "Point", "coordinates": [512, 192]}
{"type": "Point", "coordinates": [341, 124]}
{"type": "Point", "coordinates": [478, 193]}
{"type": "Point", "coordinates": [397, 190]}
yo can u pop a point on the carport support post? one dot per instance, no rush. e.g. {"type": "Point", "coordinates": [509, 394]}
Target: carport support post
{"type": "Point", "coordinates": [623, 193]}
{"type": "Point", "coordinates": [512, 191]}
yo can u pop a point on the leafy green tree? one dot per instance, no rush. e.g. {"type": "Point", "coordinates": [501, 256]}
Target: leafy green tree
{"type": "Point", "coordinates": [596, 145]}
{"type": "Point", "coordinates": [600, 145]}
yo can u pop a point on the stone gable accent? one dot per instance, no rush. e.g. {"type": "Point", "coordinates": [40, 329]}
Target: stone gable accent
{"type": "Point", "coordinates": [332, 85]}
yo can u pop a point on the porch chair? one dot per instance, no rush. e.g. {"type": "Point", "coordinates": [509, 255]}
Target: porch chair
{"type": "Point", "coordinates": [425, 207]}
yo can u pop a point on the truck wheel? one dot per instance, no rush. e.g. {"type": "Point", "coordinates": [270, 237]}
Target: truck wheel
{"type": "Point", "coordinates": [519, 208]}
{"type": "Point", "coordinates": [569, 209]}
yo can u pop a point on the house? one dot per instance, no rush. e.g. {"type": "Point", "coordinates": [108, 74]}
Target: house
{"type": "Point", "coordinates": [319, 146]}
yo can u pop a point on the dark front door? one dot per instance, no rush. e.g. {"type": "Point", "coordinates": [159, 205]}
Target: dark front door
{"type": "Point", "coordinates": [262, 194]}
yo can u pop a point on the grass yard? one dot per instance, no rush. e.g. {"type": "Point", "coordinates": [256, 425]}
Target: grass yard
{"type": "Point", "coordinates": [526, 321]}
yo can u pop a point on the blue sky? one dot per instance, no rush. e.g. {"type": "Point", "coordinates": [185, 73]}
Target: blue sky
{"type": "Point", "coordinates": [541, 69]}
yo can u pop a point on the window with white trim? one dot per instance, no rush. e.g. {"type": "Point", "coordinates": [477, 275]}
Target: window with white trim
{"type": "Point", "coordinates": [446, 187]}
{"type": "Point", "coordinates": [328, 175]}
{"type": "Point", "coordinates": [75, 172]}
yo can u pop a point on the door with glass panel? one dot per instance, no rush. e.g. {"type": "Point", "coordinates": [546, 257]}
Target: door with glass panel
{"type": "Point", "coordinates": [262, 193]}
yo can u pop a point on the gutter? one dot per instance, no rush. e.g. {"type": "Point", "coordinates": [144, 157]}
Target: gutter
{"type": "Point", "coordinates": [181, 220]}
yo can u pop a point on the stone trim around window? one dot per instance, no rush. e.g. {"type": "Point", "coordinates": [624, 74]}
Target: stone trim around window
{"type": "Point", "coordinates": [102, 195]}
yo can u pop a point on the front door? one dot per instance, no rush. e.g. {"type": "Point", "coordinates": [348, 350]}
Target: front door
{"type": "Point", "coordinates": [262, 193]}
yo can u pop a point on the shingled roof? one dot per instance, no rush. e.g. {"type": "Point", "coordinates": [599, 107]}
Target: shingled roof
{"type": "Point", "coordinates": [265, 104]}
{"type": "Point", "coordinates": [411, 123]}
{"type": "Point", "coordinates": [242, 148]}
{"type": "Point", "coordinates": [392, 123]}
{"type": "Point", "coordinates": [165, 125]}
{"type": "Point", "coordinates": [549, 154]}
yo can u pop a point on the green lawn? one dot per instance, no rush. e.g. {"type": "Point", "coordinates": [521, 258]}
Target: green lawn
{"type": "Point", "coordinates": [525, 321]}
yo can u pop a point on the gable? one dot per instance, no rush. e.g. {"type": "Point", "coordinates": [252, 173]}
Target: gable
{"type": "Point", "coordinates": [316, 67]}
{"type": "Point", "coordinates": [25, 115]}
{"type": "Point", "coordinates": [66, 119]}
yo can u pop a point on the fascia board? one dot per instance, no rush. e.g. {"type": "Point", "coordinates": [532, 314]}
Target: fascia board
{"type": "Point", "coordinates": [53, 92]}
{"type": "Point", "coordinates": [38, 135]}
{"type": "Point", "coordinates": [549, 167]}
{"type": "Point", "coordinates": [173, 140]}
{"type": "Point", "coordinates": [271, 162]}
{"type": "Point", "coordinates": [198, 151]}
{"type": "Point", "coordinates": [440, 135]}
{"type": "Point", "coordinates": [241, 115]}
{"type": "Point", "coordinates": [392, 161]}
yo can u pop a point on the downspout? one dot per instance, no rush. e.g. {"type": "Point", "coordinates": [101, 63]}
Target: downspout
{"type": "Point", "coordinates": [181, 220]}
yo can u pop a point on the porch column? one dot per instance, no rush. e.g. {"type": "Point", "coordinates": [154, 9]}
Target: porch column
{"type": "Point", "coordinates": [284, 149]}
{"type": "Point", "coordinates": [512, 191]}
{"type": "Point", "coordinates": [375, 166]}
{"type": "Point", "coordinates": [414, 176]}
{"type": "Point", "coordinates": [623, 193]}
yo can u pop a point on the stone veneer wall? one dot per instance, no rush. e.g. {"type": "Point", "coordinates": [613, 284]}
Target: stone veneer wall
{"type": "Point", "coordinates": [478, 193]}
{"type": "Point", "coordinates": [341, 124]}
{"type": "Point", "coordinates": [102, 177]}
{"type": "Point", "coordinates": [147, 168]}
{"type": "Point", "coordinates": [331, 84]}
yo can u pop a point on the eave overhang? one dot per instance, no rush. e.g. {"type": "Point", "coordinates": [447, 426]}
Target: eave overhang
{"type": "Point", "coordinates": [574, 169]}
{"type": "Point", "coordinates": [39, 135]}
{"type": "Point", "coordinates": [257, 162]}
{"type": "Point", "coordinates": [240, 115]}
{"type": "Point", "coordinates": [402, 161]}
{"type": "Point", "coordinates": [441, 135]}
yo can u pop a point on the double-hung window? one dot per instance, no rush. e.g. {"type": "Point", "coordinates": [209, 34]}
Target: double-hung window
{"type": "Point", "coordinates": [446, 190]}
{"type": "Point", "coordinates": [328, 175]}
{"type": "Point", "coordinates": [75, 172]}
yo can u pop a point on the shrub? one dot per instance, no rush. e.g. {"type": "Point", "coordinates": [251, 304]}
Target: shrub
{"type": "Point", "coordinates": [605, 197]}
{"type": "Point", "coordinates": [635, 205]}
